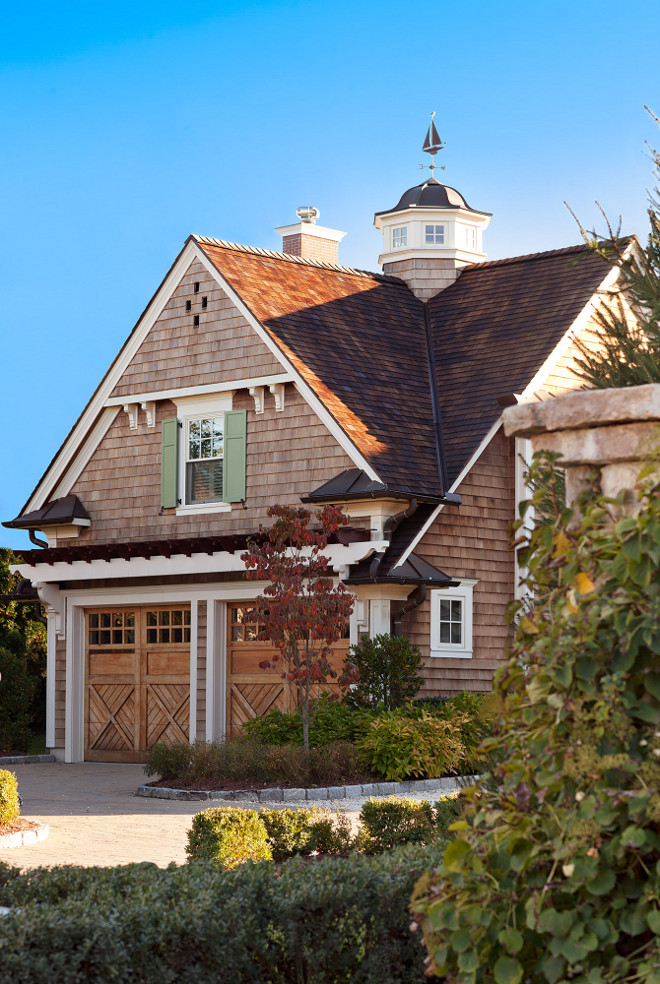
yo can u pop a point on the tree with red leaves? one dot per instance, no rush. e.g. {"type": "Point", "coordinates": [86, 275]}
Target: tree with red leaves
{"type": "Point", "coordinates": [302, 611]}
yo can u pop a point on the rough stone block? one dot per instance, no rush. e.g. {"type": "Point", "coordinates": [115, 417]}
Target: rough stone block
{"type": "Point", "coordinates": [272, 795]}
{"type": "Point", "coordinates": [572, 411]}
{"type": "Point", "coordinates": [246, 795]}
{"type": "Point", "coordinates": [416, 785]}
{"type": "Point", "coordinates": [336, 792]}
{"type": "Point", "coordinates": [370, 789]}
{"type": "Point", "coordinates": [222, 794]}
{"type": "Point", "coordinates": [318, 794]}
{"type": "Point", "coordinates": [294, 795]}
{"type": "Point", "coordinates": [387, 788]}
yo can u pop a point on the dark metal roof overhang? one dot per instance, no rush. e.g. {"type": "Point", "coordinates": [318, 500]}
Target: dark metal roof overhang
{"type": "Point", "coordinates": [353, 484]}
{"type": "Point", "coordinates": [414, 570]}
{"type": "Point", "coordinates": [146, 549]}
{"type": "Point", "coordinates": [60, 512]}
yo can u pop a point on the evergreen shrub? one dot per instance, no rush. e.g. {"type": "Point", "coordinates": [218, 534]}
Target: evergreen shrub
{"type": "Point", "coordinates": [17, 688]}
{"type": "Point", "coordinates": [332, 721]}
{"type": "Point", "coordinates": [9, 803]}
{"type": "Point", "coordinates": [228, 836]}
{"type": "Point", "coordinates": [395, 820]}
{"type": "Point", "coordinates": [342, 921]}
{"type": "Point", "coordinates": [389, 672]}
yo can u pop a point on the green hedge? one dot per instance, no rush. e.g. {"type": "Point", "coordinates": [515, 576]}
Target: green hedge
{"type": "Point", "coordinates": [326, 922]}
{"type": "Point", "coordinates": [228, 836]}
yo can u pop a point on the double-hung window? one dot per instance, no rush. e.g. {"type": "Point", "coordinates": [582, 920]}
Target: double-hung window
{"type": "Point", "coordinates": [451, 620]}
{"type": "Point", "coordinates": [204, 459]}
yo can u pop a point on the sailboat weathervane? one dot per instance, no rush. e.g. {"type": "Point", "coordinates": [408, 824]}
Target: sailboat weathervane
{"type": "Point", "coordinates": [432, 144]}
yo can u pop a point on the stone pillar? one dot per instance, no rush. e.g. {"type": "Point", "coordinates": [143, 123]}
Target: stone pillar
{"type": "Point", "coordinates": [611, 430]}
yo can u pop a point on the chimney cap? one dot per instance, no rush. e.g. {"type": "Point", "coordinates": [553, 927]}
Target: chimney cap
{"type": "Point", "coordinates": [308, 213]}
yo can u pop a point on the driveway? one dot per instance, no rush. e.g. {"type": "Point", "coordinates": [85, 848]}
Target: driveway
{"type": "Point", "coordinates": [95, 819]}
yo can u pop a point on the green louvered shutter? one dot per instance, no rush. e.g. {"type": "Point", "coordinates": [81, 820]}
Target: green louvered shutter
{"type": "Point", "coordinates": [169, 463]}
{"type": "Point", "coordinates": [234, 465]}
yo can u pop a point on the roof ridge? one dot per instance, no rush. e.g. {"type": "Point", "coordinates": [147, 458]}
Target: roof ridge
{"type": "Point", "coordinates": [288, 257]}
{"type": "Point", "coordinates": [524, 257]}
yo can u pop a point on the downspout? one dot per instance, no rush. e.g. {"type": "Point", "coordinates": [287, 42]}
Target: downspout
{"type": "Point", "coordinates": [417, 598]}
{"type": "Point", "coordinates": [35, 539]}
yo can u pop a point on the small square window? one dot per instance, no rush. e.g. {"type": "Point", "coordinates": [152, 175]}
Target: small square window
{"type": "Point", "coordinates": [399, 237]}
{"type": "Point", "coordinates": [434, 235]}
{"type": "Point", "coordinates": [188, 305]}
{"type": "Point", "coordinates": [451, 621]}
{"type": "Point", "coordinates": [195, 321]}
{"type": "Point", "coordinates": [196, 287]}
{"type": "Point", "coordinates": [205, 302]}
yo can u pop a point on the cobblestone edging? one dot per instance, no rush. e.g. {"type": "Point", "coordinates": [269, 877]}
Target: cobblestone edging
{"type": "Point", "coordinates": [25, 759]}
{"type": "Point", "coordinates": [277, 795]}
{"type": "Point", "coordinates": [21, 838]}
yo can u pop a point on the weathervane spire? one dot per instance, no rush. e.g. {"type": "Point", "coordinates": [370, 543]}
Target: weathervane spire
{"type": "Point", "coordinates": [432, 144]}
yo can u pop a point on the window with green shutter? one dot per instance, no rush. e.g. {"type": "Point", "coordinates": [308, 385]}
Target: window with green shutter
{"type": "Point", "coordinates": [208, 465]}
{"type": "Point", "coordinates": [169, 463]}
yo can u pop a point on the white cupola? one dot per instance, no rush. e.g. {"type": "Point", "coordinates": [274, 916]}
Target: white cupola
{"type": "Point", "coordinates": [431, 234]}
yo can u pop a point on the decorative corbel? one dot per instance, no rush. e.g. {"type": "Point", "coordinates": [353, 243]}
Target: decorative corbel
{"type": "Point", "coordinates": [257, 394]}
{"type": "Point", "coordinates": [277, 389]}
{"type": "Point", "coordinates": [132, 410]}
{"type": "Point", "coordinates": [150, 410]}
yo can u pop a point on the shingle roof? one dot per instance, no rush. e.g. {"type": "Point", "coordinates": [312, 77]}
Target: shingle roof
{"type": "Point", "coordinates": [493, 330]}
{"type": "Point", "coordinates": [358, 340]}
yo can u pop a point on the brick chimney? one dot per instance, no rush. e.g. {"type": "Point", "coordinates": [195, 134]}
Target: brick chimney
{"type": "Point", "coordinates": [311, 241]}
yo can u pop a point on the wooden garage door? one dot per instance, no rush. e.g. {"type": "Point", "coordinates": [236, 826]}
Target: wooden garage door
{"type": "Point", "coordinates": [252, 691]}
{"type": "Point", "coordinates": [137, 681]}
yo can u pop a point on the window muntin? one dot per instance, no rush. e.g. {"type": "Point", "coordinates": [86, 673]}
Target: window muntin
{"type": "Point", "coordinates": [204, 459]}
{"type": "Point", "coordinates": [111, 628]}
{"type": "Point", "coordinates": [168, 626]}
{"type": "Point", "coordinates": [471, 237]}
{"type": "Point", "coordinates": [451, 620]}
{"type": "Point", "coordinates": [434, 235]}
{"type": "Point", "coordinates": [399, 237]}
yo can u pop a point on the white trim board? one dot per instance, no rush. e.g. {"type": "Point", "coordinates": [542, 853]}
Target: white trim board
{"type": "Point", "coordinates": [208, 388]}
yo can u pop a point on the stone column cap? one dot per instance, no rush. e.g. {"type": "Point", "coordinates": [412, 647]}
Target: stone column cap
{"type": "Point", "coordinates": [582, 409]}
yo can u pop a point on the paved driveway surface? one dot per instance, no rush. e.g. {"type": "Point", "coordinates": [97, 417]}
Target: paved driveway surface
{"type": "Point", "coordinates": [95, 819]}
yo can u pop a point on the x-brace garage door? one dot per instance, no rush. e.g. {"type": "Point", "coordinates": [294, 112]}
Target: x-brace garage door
{"type": "Point", "coordinates": [137, 681]}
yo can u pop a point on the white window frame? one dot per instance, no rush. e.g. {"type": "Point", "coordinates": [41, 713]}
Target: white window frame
{"type": "Point", "coordinates": [470, 237]}
{"type": "Point", "coordinates": [198, 408]}
{"type": "Point", "coordinates": [435, 226]}
{"type": "Point", "coordinates": [464, 594]}
{"type": "Point", "coordinates": [402, 235]}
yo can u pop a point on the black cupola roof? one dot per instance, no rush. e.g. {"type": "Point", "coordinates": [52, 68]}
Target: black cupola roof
{"type": "Point", "coordinates": [431, 194]}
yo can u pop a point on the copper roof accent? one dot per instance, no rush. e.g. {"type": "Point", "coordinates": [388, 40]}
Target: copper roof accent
{"type": "Point", "coordinates": [59, 512]}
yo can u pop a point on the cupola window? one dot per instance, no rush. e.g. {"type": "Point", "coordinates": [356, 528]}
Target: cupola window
{"type": "Point", "coordinates": [399, 237]}
{"type": "Point", "coordinates": [434, 235]}
{"type": "Point", "coordinates": [471, 237]}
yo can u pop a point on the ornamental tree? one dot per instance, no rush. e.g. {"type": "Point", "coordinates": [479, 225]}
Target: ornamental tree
{"type": "Point", "coordinates": [302, 611]}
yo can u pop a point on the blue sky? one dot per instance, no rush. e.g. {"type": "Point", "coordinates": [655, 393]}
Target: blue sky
{"type": "Point", "coordinates": [127, 126]}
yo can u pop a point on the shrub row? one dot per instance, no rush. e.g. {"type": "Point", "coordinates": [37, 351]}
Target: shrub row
{"type": "Point", "coordinates": [231, 836]}
{"type": "Point", "coordinates": [329, 922]}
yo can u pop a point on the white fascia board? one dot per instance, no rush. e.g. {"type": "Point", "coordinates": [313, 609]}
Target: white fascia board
{"type": "Point", "coordinates": [340, 556]}
{"type": "Point", "coordinates": [564, 343]}
{"type": "Point", "coordinates": [184, 392]}
{"type": "Point", "coordinates": [304, 389]}
{"type": "Point", "coordinates": [55, 476]}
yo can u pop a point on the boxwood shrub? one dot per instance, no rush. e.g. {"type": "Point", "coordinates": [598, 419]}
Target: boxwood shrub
{"type": "Point", "coordinates": [326, 922]}
{"type": "Point", "coordinates": [395, 820]}
{"type": "Point", "coordinates": [228, 836]}
{"type": "Point", "coordinates": [9, 804]}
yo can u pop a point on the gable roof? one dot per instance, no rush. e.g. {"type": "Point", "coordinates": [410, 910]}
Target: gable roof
{"type": "Point", "coordinates": [494, 328]}
{"type": "Point", "coordinates": [358, 341]}
{"type": "Point", "coordinates": [367, 349]}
